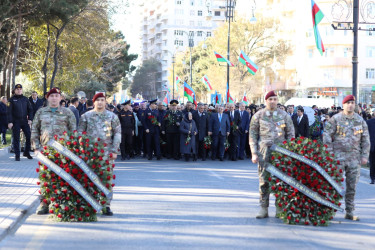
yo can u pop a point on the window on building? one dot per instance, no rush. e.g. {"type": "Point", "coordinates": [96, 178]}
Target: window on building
{"type": "Point", "coordinates": [179, 22]}
{"type": "Point", "coordinates": [191, 33]}
{"type": "Point", "coordinates": [370, 73]}
{"type": "Point", "coordinates": [192, 13]}
{"type": "Point", "coordinates": [199, 33]}
{"type": "Point", "coordinates": [178, 42]}
{"type": "Point", "coordinates": [192, 23]}
{"type": "Point", "coordinates": [179, 2]}
{"type": "Point", "coordinates": [209, 34]}
{"type": "Point", "coordinates": [217, 13]}
{"type": "Point", "coordinates": [192, 2]}
{"type": "Point", "coordinates": [311, 53]}
{"type": "Point", "coordinates": [200, 13]}
{"type": "Point", "coordinates": [347, 51]}
{"type": "Point", "coordinates": [309, 32]}
{"type": "Point", "coordinates": [330, 52]}
{"type": "Point", "coordinates": [329, 30]}
{"type": "Point", "coordinates": [200, 23]}
{"type": "Point", "coordinates": [371, 31]}
{"type": "Point", "coordinates": [179, 12]}
{"type": "Point", "coordinates": [370, 51]}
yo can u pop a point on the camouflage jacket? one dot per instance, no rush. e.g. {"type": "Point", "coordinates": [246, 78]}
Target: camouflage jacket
{"type": "Point", "coordinates": [345, 133]}
{"type": "Point", "coordinates": [46, 124]}
{"type": "Point", "coordinates": [268, 128]}
{"type": "Point", "coordinates": [105, 126]}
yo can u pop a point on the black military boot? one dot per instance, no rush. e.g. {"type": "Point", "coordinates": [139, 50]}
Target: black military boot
{"type": "Point", "coordinates": [28, 156]}
{"type": "Point", "coordinates": [108, 211]}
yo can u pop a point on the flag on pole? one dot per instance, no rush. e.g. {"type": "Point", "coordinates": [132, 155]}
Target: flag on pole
{"type": "Point", "coordinates": [216, 98]}
{"type": "Point", "coordinates": [220, 58]}
{"type": "Point", "coordinates": [245, 60]}
{"type": "Point", "coordinates": [206, 82]}
{"type": "Point", "coordinates": [244, 99]}
{"type": "Point", "coordinates": [229, 97]}
{"type": "Point", "coordinates": [165, 100]}
{"type": "Point", "coordinates": [317, 16]}
{"type": "Point", "coordinates": [189, 92]}
{"type": "Point", "coordinates": [178, 80]}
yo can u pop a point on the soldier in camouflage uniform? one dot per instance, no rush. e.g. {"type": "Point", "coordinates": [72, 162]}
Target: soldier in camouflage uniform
{"type": "Point", "coordinates": [346, 134]}
{"type": "Point", "coordinates": [103, 124]}
{"type": "Point", "coordinates": [268, 126]}
{"type": "Point", "coordinates": [49, 121]}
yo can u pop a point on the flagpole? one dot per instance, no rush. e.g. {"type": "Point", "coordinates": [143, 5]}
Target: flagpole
{"type": "Point", "coordinates": [173, 61]}
{"type": "Point", "coordinates": [355, 47]}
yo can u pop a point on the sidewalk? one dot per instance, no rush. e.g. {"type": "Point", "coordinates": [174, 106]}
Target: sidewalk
{"type": "Point", "coordinates": [18, 190]}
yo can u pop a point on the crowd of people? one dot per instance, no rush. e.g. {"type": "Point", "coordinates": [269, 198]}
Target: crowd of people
{"type": "Point", "coordinates": [220, 132]}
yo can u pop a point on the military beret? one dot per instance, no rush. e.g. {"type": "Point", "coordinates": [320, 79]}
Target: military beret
{"type": "Point", "coordinates": [173, 102]}
{"type": "Point", "coordinates": [348, 98]}
{"type": "Point", "coordinates": [153, 101]}
{"type": "Point", "coordinates": [126, 103]}
{"type": "Point", "coordinates": [53, 91]}
{"type": "Point", "coordinates": [18, 86]}
{"type": "Point", "coordinates": [270, 94]}
{"type": "Point", "coordinates": [98, 95]}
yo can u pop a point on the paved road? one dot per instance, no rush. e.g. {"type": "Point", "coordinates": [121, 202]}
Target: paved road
{"type": "Point", "coordinates": [203, 205]}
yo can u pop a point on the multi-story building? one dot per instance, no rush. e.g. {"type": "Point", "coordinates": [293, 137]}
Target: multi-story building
{"type": "Point", "coordinates": [307, 73]}
{"type": "Point", "coordinates": [167, 26]}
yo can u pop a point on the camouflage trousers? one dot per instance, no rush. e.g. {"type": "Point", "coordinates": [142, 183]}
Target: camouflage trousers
{"type": "Point", "coordinates": [264, 186]}
{"type": "Point", "coordinates": [352, 168]}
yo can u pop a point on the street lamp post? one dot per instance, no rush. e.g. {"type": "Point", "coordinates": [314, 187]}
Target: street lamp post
{"type": "Point", "coordinates": [231, 4]}
{"type": "Point", "coordinates": [173, 62]}
{"type": "Point", "coordinates": [341, 12]}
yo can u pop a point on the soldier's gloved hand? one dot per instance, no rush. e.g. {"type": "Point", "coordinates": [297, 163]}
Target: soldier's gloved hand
{"type": "Point", "coordinates": [29, 122]}
{"type": "Point", "coordinates": [10, 125]}
{"type": "Point", "coordinates": [228, 133]}
{"type": "Point", "coordinates": [209, 133]}
{"type": "Point", "coordinates": [133, 133]}
{"type": "Point", "coordinates": [255, 158]}
{"type": "Point", "coordinates": [177, 123]}
{"type": "Point", "coordinates": [147, 131]}
{"type": "Point", "coordinates": [246, 131]}
{"type": "Point", "coordinates": [163, 132]}
{"type": "Point", "coordinates": [364, 161]}
{"type": "Point", "coordinates": [195, 133]}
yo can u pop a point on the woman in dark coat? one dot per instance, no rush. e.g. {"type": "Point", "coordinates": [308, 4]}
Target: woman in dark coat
{"type": "Point", "coordinates": [188, 129]}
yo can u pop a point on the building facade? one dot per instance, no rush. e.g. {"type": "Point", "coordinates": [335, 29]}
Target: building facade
{"type": "Point", "coordinates": [167, 25]}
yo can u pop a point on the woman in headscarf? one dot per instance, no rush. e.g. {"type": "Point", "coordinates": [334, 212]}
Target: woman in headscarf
{"type": "Point", "coordinates": [188, 131]}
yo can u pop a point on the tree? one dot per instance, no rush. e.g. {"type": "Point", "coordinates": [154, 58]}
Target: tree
{"type": "Point", "coordinates": [256, 40]}
{"type": "Point", "coordinates": [144, 81]}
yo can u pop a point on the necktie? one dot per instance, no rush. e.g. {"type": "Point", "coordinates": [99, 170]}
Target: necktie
{"type": "Point", "coordinates": [299, 120]}
{"type": "Point", "coordinates": [241, 114]}
{"type": "Point", "coordinates": [232, 115]}
{"type": "Point", "coordinates": [220, 118]}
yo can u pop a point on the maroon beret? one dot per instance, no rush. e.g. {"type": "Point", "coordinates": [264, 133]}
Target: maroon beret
{"type": "Point", "coordinates": [270, 94]}
{"type": "Point", "coordinates": [98, 95]}
{"type": "Point", "coordinates": [348, 98]}
{"type": "Point", "coordinates": [53, 91]}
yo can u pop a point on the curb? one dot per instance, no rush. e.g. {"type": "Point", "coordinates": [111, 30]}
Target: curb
{"type": "Point", "coordinates": [4, 151]}
{"type": "Point", "coordinates": [18, 214]}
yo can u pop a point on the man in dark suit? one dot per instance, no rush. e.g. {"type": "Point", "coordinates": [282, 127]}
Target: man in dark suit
{"type": "Point", "coordinates": [243, 130]}
{"type": "Point", "coordinates": [301, 123]}
{"type": "Point", "coordinates": [171, 128]}
{"type": "Point", "coordinates": [152, 129]}
{"type": "Point", "coordinates": [290, 111]}
{"type": "Point", "coordinates": [371, 130]}
{"type": "Point", "coordinates": [35, 102]}
{"type": "Point", "coordinates": [234, 121]}
{"type": "Point", "coordinates": [219, 128]}
{"type": "Point", "coordinates": [73, 107]}
{"type": "Point", "coordinates": [201, 119]}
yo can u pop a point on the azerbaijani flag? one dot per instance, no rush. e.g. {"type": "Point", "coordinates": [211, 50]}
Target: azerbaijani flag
{"type": "Point", "coordinates": [229, 97]}
{"type": "Point", "coordinates": [245, 60]}
{"type": "Point", "coordinates": [244, 99]}
{"type": "Point", "coordinates": [189, 92]}
{"type": "Point", "coordinates": [206, 82]}
{"type": "Point", "coordinates": [317, 16]}
{"type": "Point", "coordinates": [178, 80]}
{"type": "Point", "coordinates": [220, 58]}
{"type": "Point", "coordinates": [165, 100]}
{"type": "Point", "coordinates": [216, 98]}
